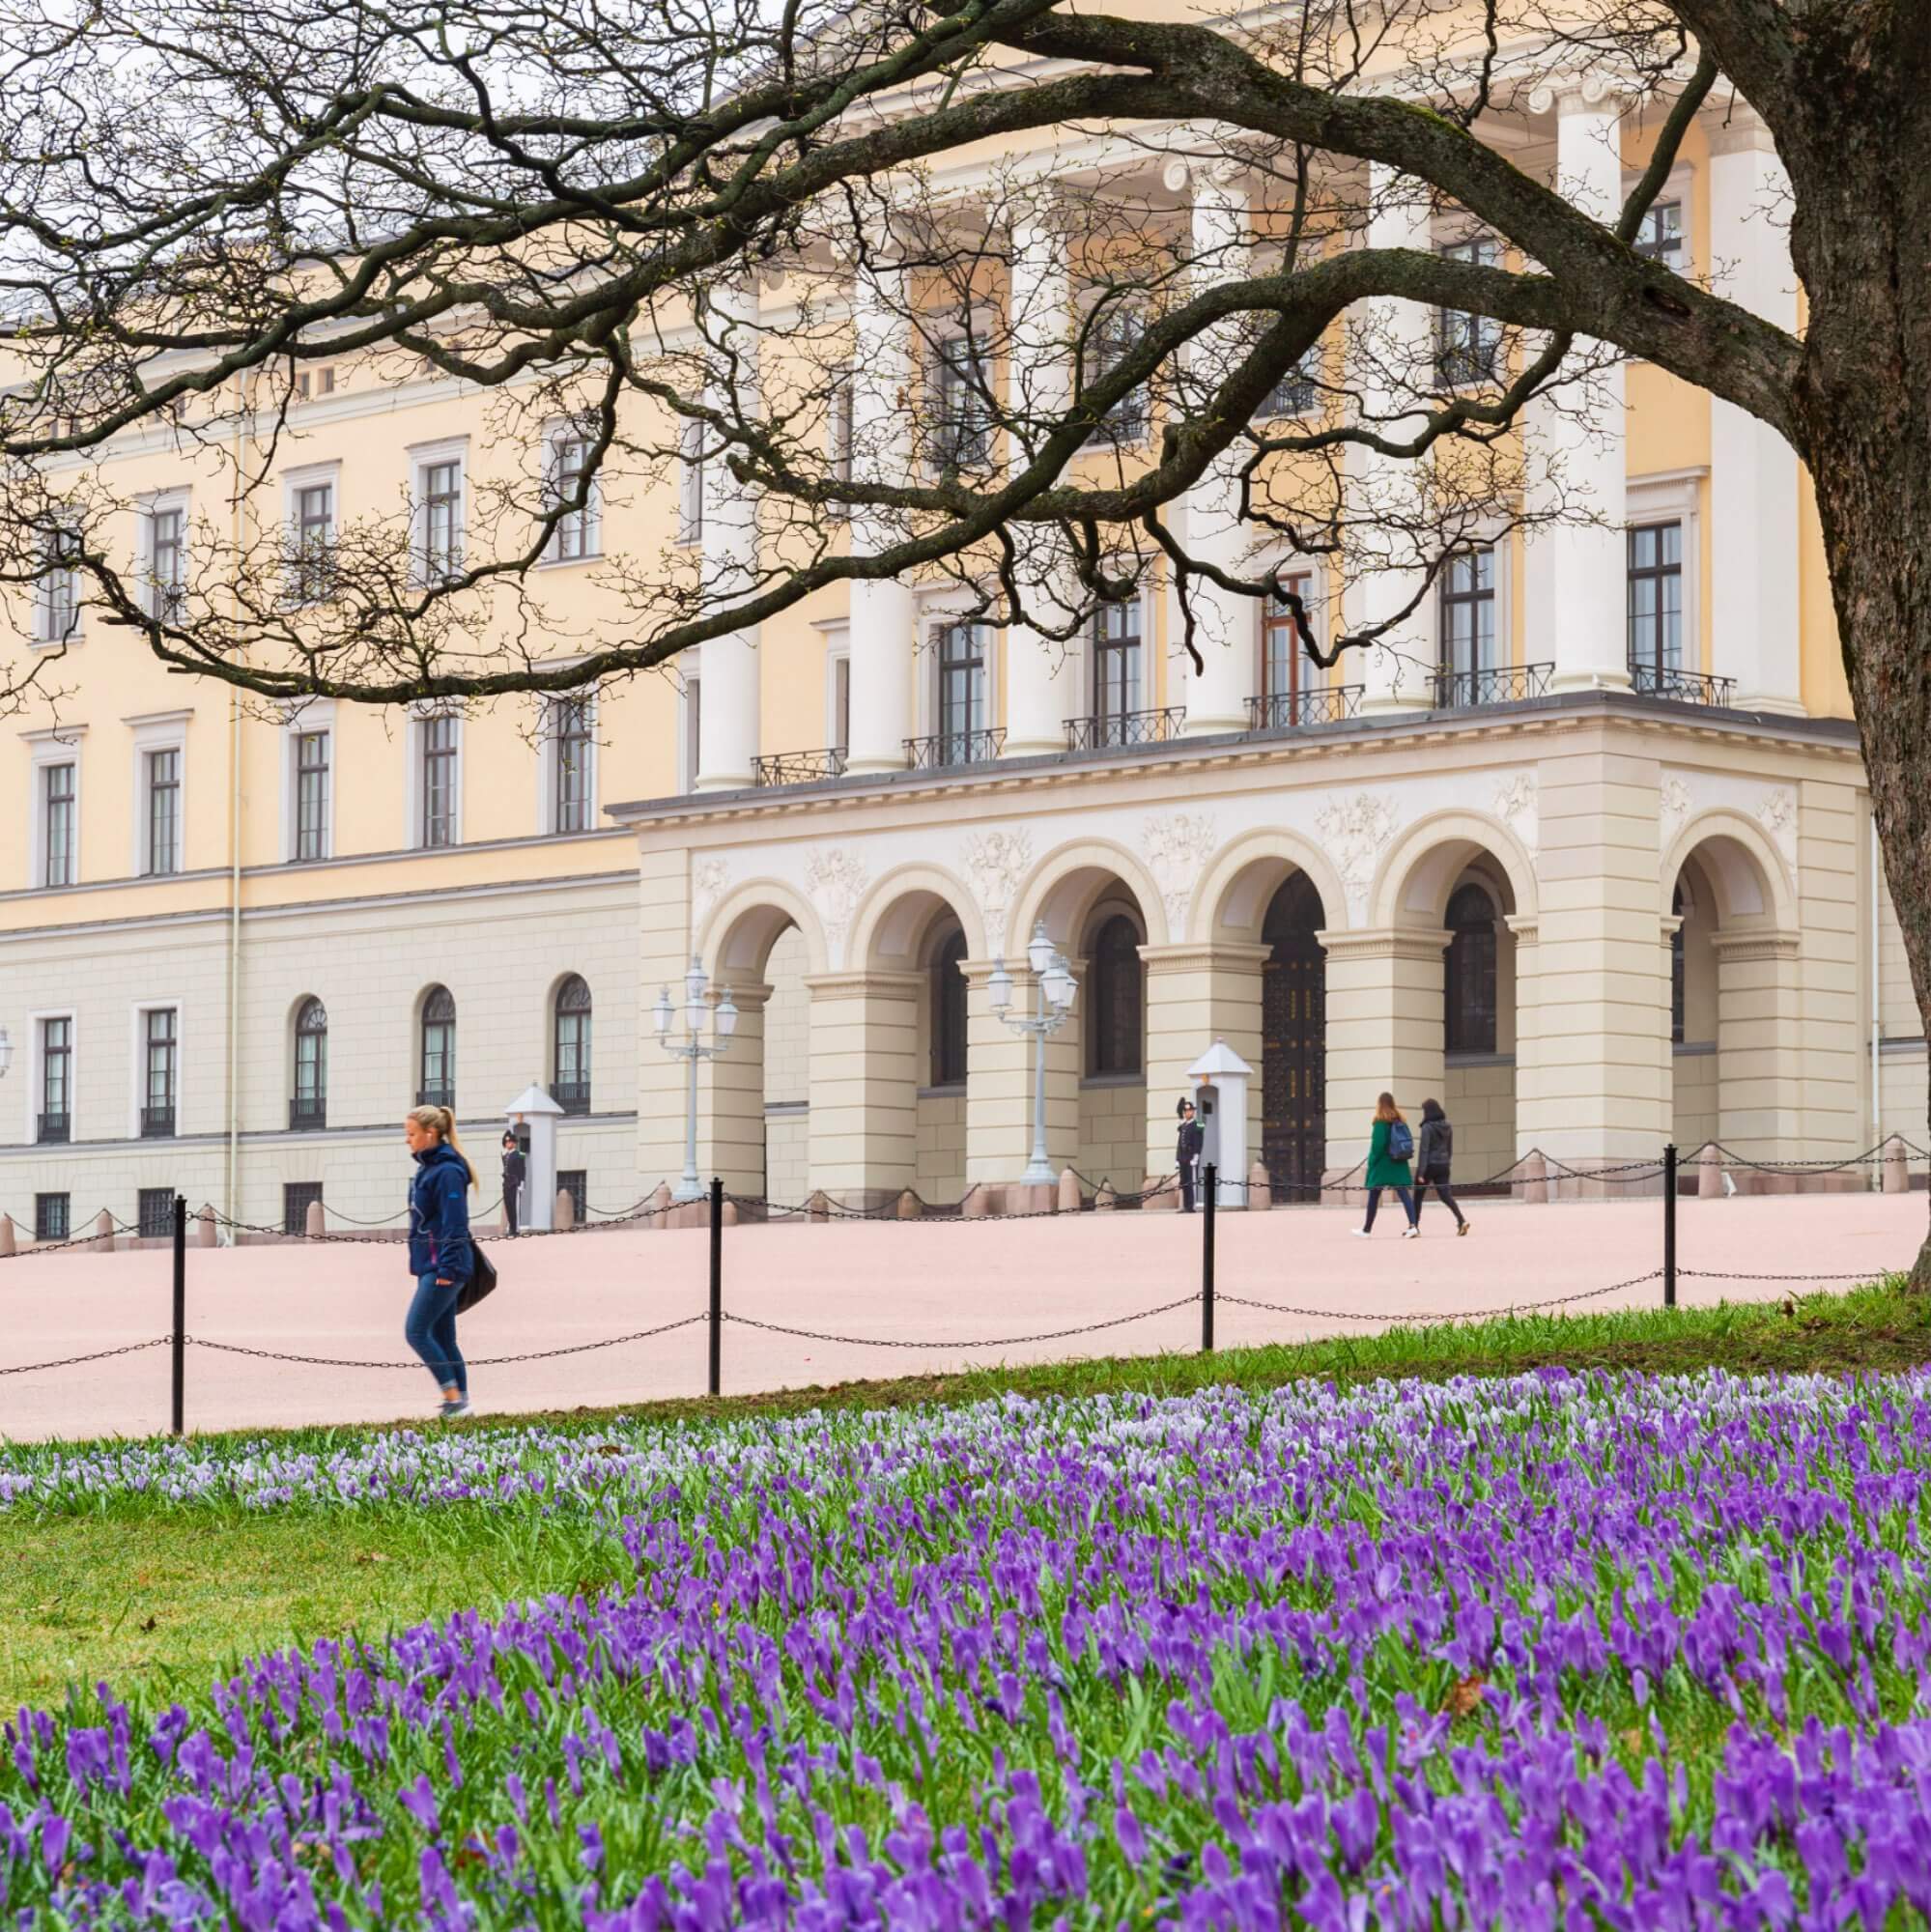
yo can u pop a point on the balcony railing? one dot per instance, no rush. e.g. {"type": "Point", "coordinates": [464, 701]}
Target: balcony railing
{"type": "Point", "coordinates": [436, 1097]}
{"type": "Point", "coordinates": [1117, 729]}
{"type": "Point", "coordinates": [1682, 687]}
{"type": "Point", "coordinates": [307, 1115]}
{"type": "Point", "coordinates": [572, 1096]}
{"type": "Point", "coordinates": [1499, 684]}
{"type": "Point", "coordinates": [1290, 710]}
{"type": "Point", "coordinates": [53, 1130]}
{"type": "Point", "coordinates": [796, 768]}
{"type": "Point", "coordinates": [944, 750]}
{"type": "Point", "coordinates": [158, 1123]}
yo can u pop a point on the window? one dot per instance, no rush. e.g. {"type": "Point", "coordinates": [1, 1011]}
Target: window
{"type": "Point", "coordinates": [1116, 667]}
{"type": "Point", "coordinates": [159, 1068]}
{"type": "Point", "coordinates": [694, 731]}
{"type": "Point", "coordinates": [440, 520]}
{"type": "Point", "coordinates": [571, 746]}
{"type": "Point", "coordinates": [297, 1196]}
{"type": "Point", "coordinates": [308, 1107]}
{"type": "Point", "coordinates": [57, 600]}
{"type": "Point", "coordinates": [961, 691]}
{"type": "Point", "coordinates": [311, 558]}
{"type": "Point", "coordinates": [1299, 392]}
{"type": "Point", "coordinates": [438, 1050]}
{"type": "Point", "coordinates": [691, 484]}
{"type": "Point", "coordinates": [438, 779]}
{"type": "Point", "coordinates": [949, 1012]}
{"type": "Point", "coordinates": [311, 384]}
{"type": "Point", "coordinates": [153, 1213]}
{"type": "Point", "coordinates": [1118, 1000]}
{"type": "Point", "coordinates": [1661, 236]}
{"type": "Point", "coordinates": [962, 412]}
{"type": "Point", "coordinates": [1468, 980]}
{"type": "Point", "coordinates": [575, 1182]}
{"type": "Point", "coordinates": [1281, 651]}
{"type": "Point", "coordinates": [570, 1046]}
{"type": "Point", "coordinates": [161, 781]}
{"type": "Point", "coordinates": [1676, 1002]}
{"type": "Point", "coordinates": [841, 701]}
{"type": "Point", "coordinates": [841, 433]}
{"type": "Point", "coordinates": [311, 795]}
{"type": "Point", "coordinates": [1468, 346]}
{"type": "Point", "coordinates": [1468, 612]}
{"type": "Point", "coordinates": [57, 824]}
{"type": "Point", "coordinates": [167, 561]}
{"type": "Point", "coordinates": [1656, 597]}
{"type": "Point", "coordinates": [52, 1216]}
{"type": "Point", "coordinates": [55, 1124]}
{"type": "Point", "coordinates": [1113, 336]}
{"type": "Point", "coordinates": [579, 532]}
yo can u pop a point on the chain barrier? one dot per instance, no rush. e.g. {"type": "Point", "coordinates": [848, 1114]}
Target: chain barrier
{"type": "Point", "coordinates": [1755, 1274]}
{"type": "Point", "coordinates": [1440, 1317]}
{"type": "Point", "coordinates": [416, 1363]}
{"type": "Point", "coordinates": [992, 1342]}
{"type": "Point", "coordinates": [74, 1361]}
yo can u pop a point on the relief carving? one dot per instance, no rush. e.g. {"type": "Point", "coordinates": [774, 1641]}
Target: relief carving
{"type": "Point", "coordinates": [1178, 851]}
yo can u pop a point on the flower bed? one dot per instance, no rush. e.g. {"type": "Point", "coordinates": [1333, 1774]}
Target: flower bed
{"type": "Point", "coordinates": [1549, 1651]}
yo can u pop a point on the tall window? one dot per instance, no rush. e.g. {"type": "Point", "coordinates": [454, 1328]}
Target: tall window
{"type": "Point", "coordinates": [1113, 336]}
{"type": "Point", "coordinates": [160, 1070]}
{"type": "Point", "coordinates": [570, 1046]}
{"type": "Point", "coordinates": [1118, 1000]}
{"type": "Point", "coordinates": [441, 520]}
{"type": "Point", "coordinates": [577, 532]}
{"type": "Point", "coordinates": [1116, 667]}
{"type": "Point", "coordinates": [1661, 236]}
{"type": "Point", "coordinates": [1468, 346]}
{"type": "Point", "coordinates": [438, 781]}
{"type": "Point", "coordinates": [961, 431]}
{"type": "Point", "coordinates": [1299, 392]}
{"type": "Point", "coordinates": [1676, 979]}
{"type": "Point", "coordinates": [56, 1109]}
{"type": "Point", "coordinates": [1468, 612]}
{"type": "Point", "coordinates": [570, 744]}
{"type": "Point", "coordinates": [842, 430]}
{"type": "Point", "coordinates": [311, 795]}
{"type": "Point", "coordinates": [163, 775]}
{"type": "Point", "coordinates": [57, 825]}
{"type": "Point", "coordinates": [309, 1107]}
{"type": "Point", "coordinates": [57, 599]}
{"type": "Point", "coordinates": [167, 561]}
{"type": "Point", "coordinates": [691, 484]}
{"type": "Point", "coordinates": [311, 564]}
{"type": "Point", "coordinates": [1281, 652]}
{"type": "Point", "coordinates": [1470, 976]}
{"type": "Point", "coordinates": [962, 690]}
{"type": "Point", "coordinates": [949, 1012]}
{"type": "Point", "coordinates": [1656, 597]}
{"type": "Point", "coordinates": [841, 701]}
{"type": "Point", "coordinates": [694, 731]}
{"type": "Point", "coordinates": [438, 1050]}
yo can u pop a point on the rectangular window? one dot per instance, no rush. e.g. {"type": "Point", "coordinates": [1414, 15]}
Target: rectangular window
{"type": "Point", "coordinates": [57, 602]}
{"type": "Point", "coordinates": [153, 1213]}
{"type": "Point", "coordinates": [570, 749]}
{"type": "Point", "coordinates": [1661, 236]}
{"type": "Point", "coordinates": [693, 730]}
{"type": "Point", "coordinates": [438, 781]}
{"type": "Point", "coordinates": [841, 703]}
{"type": "Point", "coordinates": [961, 692]}
{"type": "Point", "coordinates": [312, 384]}
{"type": "Point", "coordinates": [52, 1216]}
{"type": "Point", "coordinates": [1468, 346]}
{"type": "Point", "coordinates": [961, 426]}
{"type": "Point", "coordinates": [441, 520]}
{"type": "Point", "coordinates": [296, 1198]}
{"type": "Point", "coordinates": [1468, 612]}
{"type": "Point", "coordinates": [58, 825]}
{"type": "Point", "coordinates": [1299, 392]}
{"type": "Point", "coordinates": [1113, 336]}
{"type": "Point", "coordinates": [1281, 652]}
{"type": "Point", "coordinates": [162, 779]}
{"type": "Point", "coordinates": [167, 562]}
{"type": "Point", "coordinates": [159, 1068]}
{"type": "Point", "coordinates": [1117, 687]}
{"type": "Point", "coordinates": [55, 1124]}
{"type": "Point", "coordinates": [691, 484]}
{"type": "Point", "coordinates": [1654, 597]}
{"type": "Point", "coordinates": [311, 562]}
{"type": "Point", "coordinates": [311, 795]}
{"type": "Point", "coordinates": [575, 1182]}
{"type": "Point", "coordinates": [578, 530]}
{"type": "Point", "coordinates": [842, 430]}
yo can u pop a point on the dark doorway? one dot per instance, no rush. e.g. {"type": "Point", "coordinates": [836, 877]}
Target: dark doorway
{"type": "Point", "coordinates": [1293, 1045]}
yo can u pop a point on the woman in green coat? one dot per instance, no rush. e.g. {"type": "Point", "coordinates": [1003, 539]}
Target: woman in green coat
{"type": "Point", "coordinates": [1388, 1158]}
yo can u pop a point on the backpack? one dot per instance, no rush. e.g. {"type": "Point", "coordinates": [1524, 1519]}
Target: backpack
{"type": "Point", "coordinates": [1400, 1141]}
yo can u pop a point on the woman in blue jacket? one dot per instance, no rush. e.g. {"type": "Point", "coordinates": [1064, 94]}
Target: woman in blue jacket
{"type": "Point", "coordinates": [439, 1255]}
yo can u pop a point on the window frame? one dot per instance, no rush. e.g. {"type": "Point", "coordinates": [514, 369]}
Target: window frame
{"type": "Point", "coordinates": [140, 1068]}
{"type": "Point", "coordinates": [426, 728]}
{"type": "Point", "coordinates": [577, 536]}
{"type": "Point", "coordinates": [162, 777]}
{"type": "Point", "coordinates": [1310, 371]}
{"type": "Point", "coordinates": [555, 765]}
{"type": "Point", "coordinates": [1103, 345]}
{"type": "Point", "coordinates": [44, 804]}
{"type": "Point", "coordinates": [692, 461]}
{"type": "Point", "coordinates": [167, 602]}
{"type": "Point", "coordinates": [45, 1228]}
{"type": "Point", "coordinates": [315, 1062]}
{"type": "Point", "coordinates": [583, 1047]}
{"type": "Point", "coordinates": [1276, 619]}
{"type": "Point", "coordinates": [1469, 356]}
{"type": "Point", "coordinates": [309, 576]}
{"type": "Point", "coordinates": [38, 1023]}
{"type": "Point", "coordinates": [961, 416]}
{"type": "Point", "coordinates": [1102, 648]}
{"type": "Point", "coordinates": [949, 1017]}
{"type": "Point", "coordinates": [1659, 575]}
{"type": "Point", "coordinates": [1478, 598]}
{"type": "Point", "coordinates": [1101, 964]}
{"type": "Point", "coordinates": [439, 558]}
{"type": "Point", "coordinates": [451, 1046]}
{"type": "Point", "coordinates": [975, 667]}
{"type": "Point", "coordinates": [691, 727]}
{"type": "Point", "coordinates": [153, 736]}
{"type": "Point", "coordinates": [57, 619]}
{"type": "Point", "coordinates": [1456, 1009]}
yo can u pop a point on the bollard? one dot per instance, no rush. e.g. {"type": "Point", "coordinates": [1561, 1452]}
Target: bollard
{"type": "Point", "coordinates": [1071, 1201]}
{"type": "Point", "coordinates": [1158, 1190]}
{"type": "Point", "coordinates": [1531, 1183]}
{"type": "Point", "coordinates": [566, 1212]}
{"type": "Point", "coordinates": [205, 1235]}
{"type": "Point", "coordinates": [1670, 1226]}
{"type": "Point", "coordinates": [716, 1283]}
{"type": "Point", "coordinates": [909, 1204]}
{"type": "Point", "coordinates": [103, 1233]}
{"type": "Point", "coordinates": [1260, 1188]}
{"type": "Point", "coordinates": [660, 1205]}
{"type": "Point", "coordinates": [1709, 1173]}
{"type": "Point", "coordinates": [1105, 1201]}
{"type": "Point", "coordinates": [6, 1236]}
{"type": "Point", "coordinates": [1896, 1167]}
{"type": "Point", "coordinates": [178, 1341]}
{"type": "Point", "coordinates": [1211, 1189]}
{"type": "Point", "coordinates": [313, 1225]}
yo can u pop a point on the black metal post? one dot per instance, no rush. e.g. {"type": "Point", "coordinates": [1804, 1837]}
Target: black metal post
{"type": "Point", "coordinates": [179, 1340]}
{"type": "Point", "coordinates": [716, 1283]}
{"type": "Point", "coordinates": [1211, 1179]}
{"type": "Point", "coordinates": [1670, 1226]}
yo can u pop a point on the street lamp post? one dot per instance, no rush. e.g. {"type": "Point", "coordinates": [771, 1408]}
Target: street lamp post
{"type": "Point", "coordinates": [692, 1049]}
{"type": "Point", "coordinates": [1054, 989]}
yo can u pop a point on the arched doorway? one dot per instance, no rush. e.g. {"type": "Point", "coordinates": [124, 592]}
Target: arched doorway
{"type": "Point", "coordinates": [1293, 1042]}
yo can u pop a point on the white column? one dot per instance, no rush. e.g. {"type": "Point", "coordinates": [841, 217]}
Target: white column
{"type": "Point", "coordinates": [1226, 627]}
{"type": "Point", "coordinates": [1582, 583]}
{"type": "Point", "coordinates": [1753, 536]}
{"type": "Point", "coordinates": [1043, 673]}
{"type": "Point", "coordinates": [728, 721]}
{"type": "Point", "coordinates": [1393, 341]}
{"type": "Point", "coordinates": [883, 625]}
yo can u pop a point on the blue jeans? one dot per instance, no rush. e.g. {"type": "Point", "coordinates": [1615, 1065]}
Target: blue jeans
{"type": "Point", "coordinates": [1374, 1201]}
{"type": "Point", "coordinates": [431, 1330]}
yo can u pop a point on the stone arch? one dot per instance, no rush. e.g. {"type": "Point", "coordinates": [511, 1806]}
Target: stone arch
{"type": "Point", "coordinates": [1070, 881]}
{"type": "Point", "coordinates": [1239, 884]}
{"type": "Point", "coordinates": [735, 937]}
{"type": "Point", "coordinates": [1745, 870]}
{"type": "Point", "coordinates": [895, 914]}
{"type": "Point", "coordinates": [1422, 867]}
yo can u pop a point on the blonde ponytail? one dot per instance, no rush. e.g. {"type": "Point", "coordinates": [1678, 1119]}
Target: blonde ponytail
{"type": "Point", "coordinates": [442, 1123]}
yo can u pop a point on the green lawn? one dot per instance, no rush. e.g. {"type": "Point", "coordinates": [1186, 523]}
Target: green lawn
{"type": "Point", "coordinates": [145, 1593]}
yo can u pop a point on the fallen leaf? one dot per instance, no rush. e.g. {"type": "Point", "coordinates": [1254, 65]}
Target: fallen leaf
{"type": "Point", "coordinates": [1465, 1699]}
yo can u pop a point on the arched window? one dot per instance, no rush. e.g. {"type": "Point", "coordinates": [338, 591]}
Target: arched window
{"type": "Point", "coordinates": [1468, 1020]}
{"type": "Point", "coordinates": [949, 1014]}
{"type": "Point", "coordinates": [1118, 1002]}
{"type": "Point", "coordinates": [438, 1050]}
{"type": "Point", "coordinates": [570, 1047]}
{"type": "Point", "coordinates": [308, 1107]}
{"type": "Point", "coordinates": [1676, 970]}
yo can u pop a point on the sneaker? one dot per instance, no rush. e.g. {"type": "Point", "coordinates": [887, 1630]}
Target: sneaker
{"type": "Point", "coordinates": [1362, 1234]}
{"type": "Point", "coordinates": [1410, 1233]}
{"type": "Point", "coordinates": [1462, 1227]}
{"type": "Point", "coordinates": [450, 1410]}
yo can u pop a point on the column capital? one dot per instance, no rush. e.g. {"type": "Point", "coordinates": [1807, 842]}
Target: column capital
{"type": "Point", "coordinates": [1387, 942]}
{"type": "Point", "coordinates": [1756, 944]}
{"type": "Point", "coordinates": [867, 984]}
{"type": "Point", "coordinates": [1604, 95]}
{"type": "Point", "coordinates": [1219, 956]}
{"type": "Point", "coordinates": [1739, 131]}
{"type": "Point", "coordinates": [1525, 925]}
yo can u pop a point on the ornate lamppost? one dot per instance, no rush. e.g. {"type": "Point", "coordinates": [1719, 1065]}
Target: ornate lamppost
{"type": "Point", "coordinates": [692, 1049]}
{"type": "Point", "coordinates": [1054, 990]}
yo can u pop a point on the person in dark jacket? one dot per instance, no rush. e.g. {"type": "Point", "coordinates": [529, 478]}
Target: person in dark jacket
{"type": "Point", "coordinates": [516, 1170]}
{"type": "Point", "coordinates": [1386, 1168]}
{"type": "Point", "coordinates": [1187, 1151]}
{"type": "Point", "coordinates": [439, 1255]}
{"type": "Point", "coordinates": [1435, 1153]}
